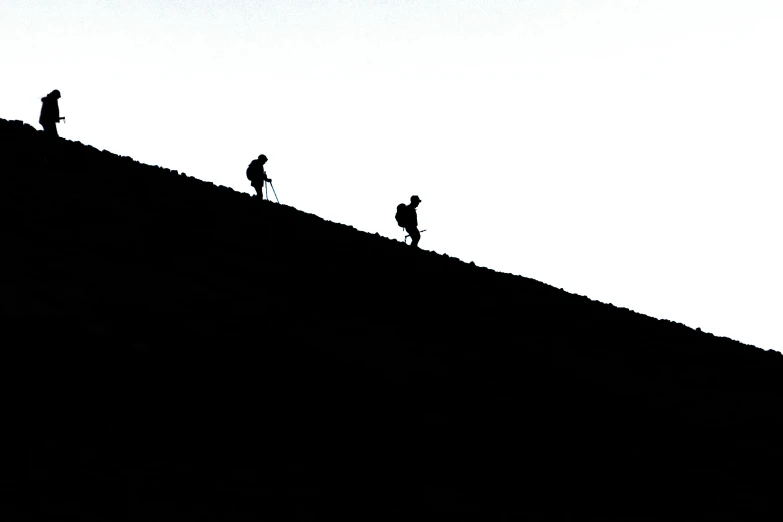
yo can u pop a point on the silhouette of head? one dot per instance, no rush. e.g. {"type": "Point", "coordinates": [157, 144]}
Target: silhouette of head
{"type": "Point", "coordinates": [263, 158]}
{"type": "Point", "coordinates": [54, 94]}
{"type": "Point", "coordinates": [415, 201]}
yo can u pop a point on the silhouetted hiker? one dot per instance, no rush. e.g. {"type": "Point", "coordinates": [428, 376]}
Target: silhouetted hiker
{"type": "Point", "coordinates": [50, 113]}
{"type": "Point", "coordinates": [257, 175]}
{"type": "Point", "coordinates": [407, 219]}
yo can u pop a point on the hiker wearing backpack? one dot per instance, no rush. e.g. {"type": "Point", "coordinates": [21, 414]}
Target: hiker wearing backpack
{"type": "Point", "coordinates": [257, 175]}
{"type": "Point", "coordinates": [50, 113]}
{"type": "Point", "coordinates": [407, 219]}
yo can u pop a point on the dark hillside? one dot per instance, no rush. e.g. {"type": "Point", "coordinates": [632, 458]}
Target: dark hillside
{"type": "Point", "coordinates": [172, 349]}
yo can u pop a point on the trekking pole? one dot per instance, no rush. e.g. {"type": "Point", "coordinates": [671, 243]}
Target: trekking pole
{"type": "Point", "coordinates": [267, 192]}
{"type": "Point", "coordinates": [273, 191]}
{"type": "Point", "coordinates": [407, 236]}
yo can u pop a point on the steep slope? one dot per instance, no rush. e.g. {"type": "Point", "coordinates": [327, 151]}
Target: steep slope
{"type": "Point", "coordinates": [176, 349]}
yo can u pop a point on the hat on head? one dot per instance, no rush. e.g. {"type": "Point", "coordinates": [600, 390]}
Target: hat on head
{"type": "Point", "coordinates": [416, 199]}
{"type": "Point", "coordinates": [263, 158]}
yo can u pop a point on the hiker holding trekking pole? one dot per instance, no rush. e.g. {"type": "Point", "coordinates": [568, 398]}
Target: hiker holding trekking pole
{"type": "Point", "coordinates": [407, 219]}
{"type": "Point", "coordinates": [257, 176]}
{"type": "Point", "coordinates": [50, 113]}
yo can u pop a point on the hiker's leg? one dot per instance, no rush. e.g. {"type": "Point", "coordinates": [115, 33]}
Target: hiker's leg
{"type": "Point", "coordinates": [415, 236]}
{"type": "Point", "coordinates": [50, 129]}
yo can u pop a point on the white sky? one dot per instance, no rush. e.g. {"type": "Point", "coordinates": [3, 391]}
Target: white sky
{"type": "Point", "coordinates": [627, 150]}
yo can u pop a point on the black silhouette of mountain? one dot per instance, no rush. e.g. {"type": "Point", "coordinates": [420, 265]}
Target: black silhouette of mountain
{"type": "Point", "coordinates": [172, 349]}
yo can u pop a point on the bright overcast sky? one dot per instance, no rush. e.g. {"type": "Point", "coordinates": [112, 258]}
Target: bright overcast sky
{"type": "Point", "coordinates": [627, 150]}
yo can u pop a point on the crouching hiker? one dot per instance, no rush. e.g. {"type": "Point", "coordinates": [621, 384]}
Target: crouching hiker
{"type": "Point", "coordinates": [407, 219]}
{"type": "Point", "coordinates": [257, 175]}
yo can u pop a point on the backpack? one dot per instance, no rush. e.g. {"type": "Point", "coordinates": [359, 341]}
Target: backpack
{"type": "Point", "coordinates": [402, 214]}
{"type": "Point", "coordinates": [252, 170]}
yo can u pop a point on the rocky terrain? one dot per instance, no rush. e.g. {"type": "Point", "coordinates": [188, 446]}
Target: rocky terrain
{"type": "Point", "coordinates": [172, 349]}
